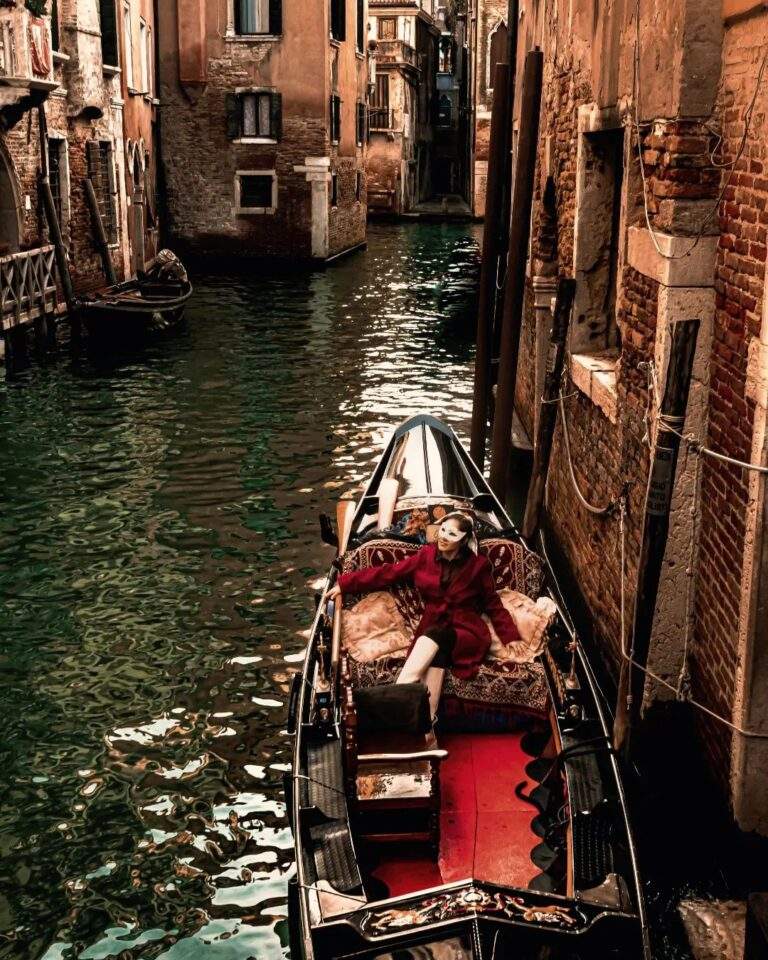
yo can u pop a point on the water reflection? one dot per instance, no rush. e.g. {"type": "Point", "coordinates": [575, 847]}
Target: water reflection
{"type": "Point", "coordinates": [157, 550]}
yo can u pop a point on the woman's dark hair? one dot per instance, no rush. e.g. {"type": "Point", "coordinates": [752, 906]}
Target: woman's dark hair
{"type": "Point", "coordinates": [466, 524]}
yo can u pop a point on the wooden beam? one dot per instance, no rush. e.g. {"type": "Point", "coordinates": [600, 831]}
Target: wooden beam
{"type": "Point", "coordinates": [658, 501]}
{"type": "Point", "coordinates": [514, 293]}
{"type": "Point", "coordinates": [566, 290]}
{"type": "Point", "coordinates": [490, 263]}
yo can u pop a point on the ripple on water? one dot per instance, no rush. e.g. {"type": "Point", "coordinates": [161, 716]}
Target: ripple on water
{"type": "Point", "coordinates": [158, 547]}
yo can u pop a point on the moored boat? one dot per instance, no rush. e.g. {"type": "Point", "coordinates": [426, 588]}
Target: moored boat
{"type": "Point", "coordinates": [503, 834]}
{"type": "Point", "coordinates": [153, 301]}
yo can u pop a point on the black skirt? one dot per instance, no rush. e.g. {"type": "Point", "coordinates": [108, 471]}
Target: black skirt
{"type": "Point", "coordinates": [445, 638]}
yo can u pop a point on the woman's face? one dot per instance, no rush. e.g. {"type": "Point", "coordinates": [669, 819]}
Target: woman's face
{"type": "Point", "coordinates": [450, 536]}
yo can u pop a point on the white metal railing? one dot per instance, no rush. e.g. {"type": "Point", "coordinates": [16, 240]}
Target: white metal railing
{"type": "Point", "coordinates": [27, 286]}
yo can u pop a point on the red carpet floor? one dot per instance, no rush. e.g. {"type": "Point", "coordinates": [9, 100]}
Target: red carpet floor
{"type": "Point", "coordinates": [485, 829]}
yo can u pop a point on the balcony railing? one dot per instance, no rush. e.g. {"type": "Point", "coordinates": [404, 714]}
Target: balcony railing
{"type": "Point", "coordinates": [397, 51]}
{"type": "Point", "coordinates": [26, 59]}
{"type": "Point", "coordinates": [27, 286]}
{"type": "Point", "coordinates": [380, 118]}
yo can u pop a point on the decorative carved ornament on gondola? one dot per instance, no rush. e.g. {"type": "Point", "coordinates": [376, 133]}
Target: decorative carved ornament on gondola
{"type": "Point", "coordinates": [467, 902]}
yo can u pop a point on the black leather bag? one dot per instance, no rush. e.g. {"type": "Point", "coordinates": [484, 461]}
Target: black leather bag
{"type": "Point", "coordinates": [393, 708]}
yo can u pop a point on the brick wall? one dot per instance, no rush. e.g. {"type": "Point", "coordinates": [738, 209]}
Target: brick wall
{"type": "Point", "coordinates": [739, 291]}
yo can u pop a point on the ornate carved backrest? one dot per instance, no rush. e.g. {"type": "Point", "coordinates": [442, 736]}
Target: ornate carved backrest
{"type": "Point", "coordinates": [349, 726]}
{"type": "Point", "coordinates": [514, 566]}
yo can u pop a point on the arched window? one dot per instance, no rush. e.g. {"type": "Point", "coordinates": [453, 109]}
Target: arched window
{"type": "Point", "coordinates": [497, 50]}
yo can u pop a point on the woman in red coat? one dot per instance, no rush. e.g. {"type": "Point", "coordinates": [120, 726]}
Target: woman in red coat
{"type": "Point", "coordinates": [457, 586]}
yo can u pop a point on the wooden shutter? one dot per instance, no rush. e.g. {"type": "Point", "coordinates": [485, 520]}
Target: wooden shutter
{"type": "Point", "coordinates": [276, 16]}
{"type": "Point", "coordinates": [276, 116]}
{"type": "Point", "coordinates": [92, 155]}
{"type": "Point", "coordinates": [232, 112]}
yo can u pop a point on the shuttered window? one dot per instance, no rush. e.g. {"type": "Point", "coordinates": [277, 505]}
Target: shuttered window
{"type": "Point", "coordinates": [108, 22]}
{"type": "Point", "coordinates": [255, 114]}
{"type": "Point", "coordinates": [361, 125]}
{"type": "Point", "coordinates": [101, 171]}
{"type": "Point", "coordinates": [335, 118]}
{"type": "Point", "coordinates": [254, 17]}
{"type": "Point", "coordinates": [55, 178]}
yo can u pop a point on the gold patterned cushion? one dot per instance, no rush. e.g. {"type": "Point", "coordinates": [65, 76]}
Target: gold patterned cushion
{"type": "Point", "coordinates": [374, 627]}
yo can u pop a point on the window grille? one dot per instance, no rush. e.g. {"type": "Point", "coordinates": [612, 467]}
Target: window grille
{"type": "Point", "coordinates": [55, 176]}
{"type": "Point", "coordinates": [102, 173]}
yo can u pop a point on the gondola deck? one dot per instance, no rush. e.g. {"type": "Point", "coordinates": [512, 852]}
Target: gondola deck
{"type": "Point", "coordinates": [440, 852]}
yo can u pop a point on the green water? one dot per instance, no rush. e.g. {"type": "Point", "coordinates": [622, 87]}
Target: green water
{"type": "Point", "coordinates": [158, 545]}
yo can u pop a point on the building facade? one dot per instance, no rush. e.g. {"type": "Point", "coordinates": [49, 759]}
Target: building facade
{"type": "Point", "coordinates": [71, 111]}
{"type": "Point", "coordinates": [403, 110]}
{"type": "Point", "coordinates": [264, 126]}
{"type": "Point", "coordinates": [488, 40]}
{"type": "Point", "coordinates": [651, 193]}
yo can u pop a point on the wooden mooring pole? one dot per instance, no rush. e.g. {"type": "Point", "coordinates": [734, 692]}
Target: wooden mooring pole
{"type": "Point", "coordinates": [658, 501]}
{"type": "Point", "coordinates": [99, 233]}
{"type": "Point", "coordinates": [490, 264]}
{"type": "Point", "coordinates": [514, 293]}
{"type": "Point", "coordinates": [566, 291]}
{"type": "Point", "coordinates": [54, 227]}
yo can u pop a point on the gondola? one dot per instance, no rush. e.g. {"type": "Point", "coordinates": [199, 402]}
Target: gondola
{"type": "Point", "coordinates": [135, 307]}
{"type": "Point", "coordinates": [502, 834]}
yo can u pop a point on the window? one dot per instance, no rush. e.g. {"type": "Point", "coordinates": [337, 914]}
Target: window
{"type": "Point", "coordinates": [108, 25]}
{"type": "Point", "coordinates": [339, 19]}
{"type": "Point", "coordinates": [258, 17]}
{"type": "Point", "coordinates": [150, 64]}
{"type": "Point", "coordinates": [359, 186]}
{"type": "Point", "coordinates": [361, 117]}
{"type": "Point", "coordinates": [58, 177]}
{"type": "Point", "coordinates": [497, 51]}
{"type": "Point", "coordinates": [334, 190]}
{"type": "Point", "coordinates": [335, 119]}
{"type": "Point", "coordinates": [143, 61]}
{"type": "Point", "coordinates": [55, 39]}
{"type": "Point", "coordinates": [378, 116]}
{"type": "Point", "coordinates": [101, 171]}
{"type": "Point", "coordinates": [361, 25]}
{"type": "Point", "coordinates": [255, 191]}
{"type": "Point", "coordinates": [128, 44]}
{"type": "Point", "coordinates": [600, 176]}
{"type": "Point", "coordinates": [387, 28]}
{"type": "Point", "coordinates": [254, 114]}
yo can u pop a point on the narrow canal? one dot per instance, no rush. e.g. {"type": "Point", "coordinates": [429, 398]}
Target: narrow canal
{"type": "Point", "coordinates": [158, 545]}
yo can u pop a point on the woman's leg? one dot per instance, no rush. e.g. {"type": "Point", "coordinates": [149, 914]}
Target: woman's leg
{"type": "Point", "coordinates": [434, 681]}
{"type": "Point", "coordinates": [418, 662]}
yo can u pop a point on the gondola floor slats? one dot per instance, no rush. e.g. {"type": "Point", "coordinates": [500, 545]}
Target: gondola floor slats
{"type": "Point", "coordinates": [335, 856]}
{"type": "Point", "coordinates": [325, 788]}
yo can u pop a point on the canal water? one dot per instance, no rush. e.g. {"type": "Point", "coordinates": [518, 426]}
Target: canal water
{"type": "Point", "coordinates": [158, 549]}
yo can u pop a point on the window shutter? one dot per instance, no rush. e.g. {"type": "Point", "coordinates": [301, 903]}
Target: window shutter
{"type": "Point", "coordinates": [92, 154]}
{"type": "Point", "coordinates": [276, 116]}
{"type": "Point", "coordinates": [232, 111]}
{"type": "Point", "coordinates": [276, 16]}
{"type": "Point", "coordinates": [361, 25]}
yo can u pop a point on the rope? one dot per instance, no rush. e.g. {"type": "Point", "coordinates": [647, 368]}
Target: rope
{"type": "Point", "coordinates": [597, 511]}
{"type": "Point", "coordinates": [675, 425]}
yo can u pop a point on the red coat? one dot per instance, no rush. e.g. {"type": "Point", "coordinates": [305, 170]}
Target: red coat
{"type": "Point", "coordinates": [471, 592]}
